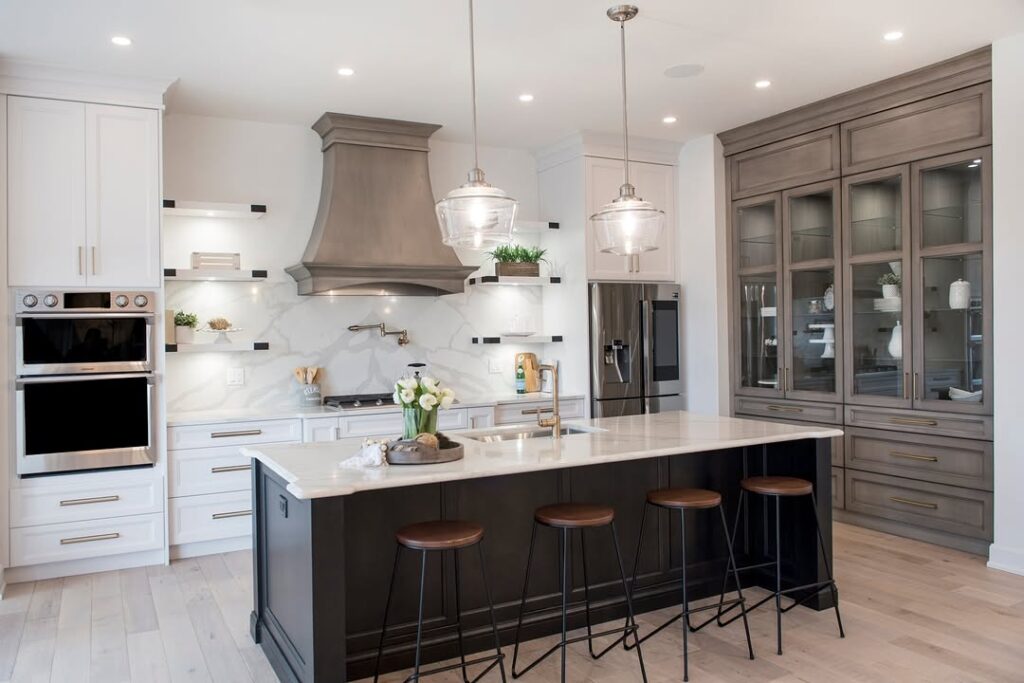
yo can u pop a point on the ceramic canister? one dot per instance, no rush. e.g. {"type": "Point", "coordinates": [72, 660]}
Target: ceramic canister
{"type": "Point", "coordinates": [960, 295]}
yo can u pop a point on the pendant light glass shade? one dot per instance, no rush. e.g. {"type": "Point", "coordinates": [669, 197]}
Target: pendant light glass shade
{"type": "Point", "coordinates": [627, 225]}
{"type": "Point", "coordinates": [476, 215]}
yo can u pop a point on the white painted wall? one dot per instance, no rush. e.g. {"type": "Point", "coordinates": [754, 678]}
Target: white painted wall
{"type": "Point", "coordinates": [703, 275]}
{"type": "Point", "coordinates": [1007, 552]}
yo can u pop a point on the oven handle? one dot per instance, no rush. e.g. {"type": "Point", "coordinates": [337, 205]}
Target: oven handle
{"type": "Point", "coordinates": [64, 379]}
{"type": "Point", "coordinates": [82, 316]}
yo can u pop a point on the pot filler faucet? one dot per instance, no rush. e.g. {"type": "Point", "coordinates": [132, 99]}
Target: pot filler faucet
{"type": "Point", "coordinates": [403, 335]}
{"type": "Point", "coordinates": [555, 421]}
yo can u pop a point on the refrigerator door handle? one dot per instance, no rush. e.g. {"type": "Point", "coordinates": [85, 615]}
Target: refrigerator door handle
{"type": "Point", "coordinates": [646, 339]}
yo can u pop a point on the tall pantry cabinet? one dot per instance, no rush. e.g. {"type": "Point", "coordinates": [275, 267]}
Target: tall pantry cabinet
{"type": "Point", "coordinates": [861, 292]}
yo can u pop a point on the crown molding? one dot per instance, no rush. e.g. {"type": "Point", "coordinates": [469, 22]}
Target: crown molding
{"type": "Point", "coordinates": [32, 79]}
{"type": "Point", "coordinates": [608, 146]}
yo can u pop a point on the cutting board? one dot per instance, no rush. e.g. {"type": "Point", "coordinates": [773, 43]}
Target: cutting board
{"type": "Point", "coordinates": [531, 368]}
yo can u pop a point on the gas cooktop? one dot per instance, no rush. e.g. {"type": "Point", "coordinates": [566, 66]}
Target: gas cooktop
{"type": "Point", "coordinates": [359, 401]}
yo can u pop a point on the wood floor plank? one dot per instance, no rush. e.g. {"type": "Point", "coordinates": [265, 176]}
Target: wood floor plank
{"type": "Point", "coordinates": [46, 599]}
{"type": "Point", "coordinates": [137, 601]}
{"type": "Point", "coordinates": [146, 660]}
{"type": "Point", "coordinates": [73, 650]}
{"type": "Point", "coordinates": [183, 654]}
{"type": "Point", "coordinates": [35, 654]}
{"type": "Point", "coordinates": [12, 626]}
{"type": "Point", "coordinates": [109, 642]}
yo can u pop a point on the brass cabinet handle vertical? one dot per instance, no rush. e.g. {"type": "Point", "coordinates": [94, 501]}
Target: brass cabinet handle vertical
{"type": "Point", "coordinates": [81, 260]}
{"type": "Point", "coordinates": [914, 456]}
{"type": "Point", "coordinates": [90, 539]}
{"type": "Point", "coordinates": [914, 503]}
{"type": "Point", "coordinates": [916, 397]}
{"type": "Point", "coordinates": [93, 260]}
{"type": "Point", "coordinates": [906, 386]}
{"type": "Point", "coordinates": [789, 380]}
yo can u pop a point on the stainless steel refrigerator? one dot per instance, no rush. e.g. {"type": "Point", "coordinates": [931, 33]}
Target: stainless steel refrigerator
{"type": "Point", "coordinates": [635, 365]}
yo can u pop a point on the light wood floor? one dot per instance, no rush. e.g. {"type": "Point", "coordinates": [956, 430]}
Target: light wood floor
{"type": "Point", "coordinates": [913, 612]}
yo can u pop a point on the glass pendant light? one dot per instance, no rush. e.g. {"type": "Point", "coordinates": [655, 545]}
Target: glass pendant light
{"type": "Point", "coordinates": [476, 215]}
{"type": "Point", "coordinates": [627, 225]}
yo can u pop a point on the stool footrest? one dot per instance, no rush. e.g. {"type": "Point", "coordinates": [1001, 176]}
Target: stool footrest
{"type": "Point", "coordinates": [624, 631]}
{"type": "Point", "coordinates": [818, 586]}
{"type": "Point", "coordinates": [493, 659]}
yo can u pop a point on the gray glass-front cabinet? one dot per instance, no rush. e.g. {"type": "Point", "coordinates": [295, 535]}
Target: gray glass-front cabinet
{"type": "Point", "coordinates": [786, 248]}
{"type": "Point", "coordinates": [916, 246]}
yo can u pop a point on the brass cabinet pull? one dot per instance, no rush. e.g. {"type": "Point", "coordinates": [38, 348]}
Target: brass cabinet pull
{"type": "Point", "coordinates": [906, 386]}
{"type": "Point", "coordinates": [536, 411]}
{"type": "Point", "coordinates": [916, 397]}
{"type": "Point", "coordinates": [915, 456]}
{"type": "Point", "coordinates": [789, 380]}
{"type": "Point", "coordinates": [89, 539]}
{"type": "Point", "coordinates": [915, 421]}
{"type": "Point", "coordinates": [93, 260]}
{"type": "Point", "coordinates": [784, 409]}
{"type": "Point", "coordinates": [915, 503]}
{"type": "Point", "coordinates": [81, 260]}
{"type": "Point", "coordinates": [89, 501]}
{"type": "Point", "coordinates": [230, 468]}
{"type": "Point", "coordinates": [227, 515]}
{"type": "Point", "coordinates": [241, 432]}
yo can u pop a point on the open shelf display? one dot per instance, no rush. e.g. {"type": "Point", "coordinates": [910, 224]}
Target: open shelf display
{"type": "Point", "coordinates": [529, 281]}
{"type": "Point", "coordinates": [173, 207]}
{"type": "Point", "coordinates": [217, 348]}
{"type": "Point", "coordinates": [214, 275]}
{"type": "Point", "coordinates": [506, 339]}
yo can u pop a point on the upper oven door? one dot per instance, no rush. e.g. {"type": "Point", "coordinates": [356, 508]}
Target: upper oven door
{"type": "Point", "coordinates": [77, 343]}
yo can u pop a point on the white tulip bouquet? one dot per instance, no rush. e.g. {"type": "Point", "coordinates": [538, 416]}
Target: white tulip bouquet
{"type": "Point", "coordinates": [421, 398]}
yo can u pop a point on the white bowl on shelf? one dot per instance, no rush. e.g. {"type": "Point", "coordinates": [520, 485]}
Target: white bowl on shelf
{"type": "Point", "coordinates": [964, 396]}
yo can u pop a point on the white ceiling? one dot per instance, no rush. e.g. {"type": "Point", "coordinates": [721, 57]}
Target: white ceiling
{"type": "Point", "coordinates": [276, 60]}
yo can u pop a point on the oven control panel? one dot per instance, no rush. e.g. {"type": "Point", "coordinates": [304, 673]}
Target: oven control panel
{"type": "Point", "coordinates": [42, 302]}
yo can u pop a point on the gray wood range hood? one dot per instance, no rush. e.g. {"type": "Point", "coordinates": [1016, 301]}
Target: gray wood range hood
{"type": "Point", "coordinates": [376, 232]}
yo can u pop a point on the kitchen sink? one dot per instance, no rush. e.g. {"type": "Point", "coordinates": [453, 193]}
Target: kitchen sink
{"type": "Point", "coordinates": [513, 434]}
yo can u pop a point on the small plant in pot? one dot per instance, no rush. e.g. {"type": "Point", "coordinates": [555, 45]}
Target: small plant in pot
{"type": "Point", "coordinates": [515, 260]}
{"type": "Point", "coordinates": [890, 283]}
{"type": "Point", "coordinates": [185, 327]}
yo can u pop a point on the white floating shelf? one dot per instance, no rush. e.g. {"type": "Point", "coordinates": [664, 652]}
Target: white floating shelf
{"type": "Point", "coordinates": [515, 281]}
{"type": "Point", "coordinates": [217, 348]}
{"type": "Point", "coordinates": [214, 275]}
{"type": "Point", "coordinates": [174, 207]}
{"type": "Point", "coordinates": [533, 227]}
{"type": "Point", "coordinates": [532, 339]}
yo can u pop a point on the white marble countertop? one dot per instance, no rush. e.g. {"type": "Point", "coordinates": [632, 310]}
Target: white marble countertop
{"type": "Point", "coordinates": [199, 417]}
{"type": "Point", "coordinates": [312, 470]}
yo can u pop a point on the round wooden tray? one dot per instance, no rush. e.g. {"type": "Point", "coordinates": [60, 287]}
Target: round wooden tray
{"type": "Point", "coordinates": [415, 453]}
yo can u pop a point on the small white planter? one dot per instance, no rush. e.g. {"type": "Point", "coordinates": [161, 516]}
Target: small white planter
{"type": "Point", "coordinates": [891, 291]}
{"type": "Point", "coordinates": [184, 334]}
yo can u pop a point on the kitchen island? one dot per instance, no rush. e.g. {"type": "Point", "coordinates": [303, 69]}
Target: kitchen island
{"type": "Point", "coordinates": [324, 535]}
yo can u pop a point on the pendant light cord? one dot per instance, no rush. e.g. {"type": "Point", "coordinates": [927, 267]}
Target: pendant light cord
{"type": "Point", "coordinates": [625, 116]}
{"type": "Point", "coordinates": [472, 78]}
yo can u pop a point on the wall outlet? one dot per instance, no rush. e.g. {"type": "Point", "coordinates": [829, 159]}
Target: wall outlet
{"type": "Point", "coordinates": [494, 366]}
{"type": "Point", "coordinates": [236, 377]}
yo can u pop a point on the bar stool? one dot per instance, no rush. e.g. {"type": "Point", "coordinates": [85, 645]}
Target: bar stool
{"type": "Point", "coordinates": [683, 500]}
{"type": "Point", "coordinates": [567, 517]}
{"type": "Point", "coordinates": [429, 537]}
{"type": "Point", "coordinates": [777, 488]}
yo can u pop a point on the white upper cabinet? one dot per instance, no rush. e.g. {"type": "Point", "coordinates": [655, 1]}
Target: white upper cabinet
{"type": "Point", "coordinates": [656, 184]}
{"type": "Point", "coordinates": [84, 188]}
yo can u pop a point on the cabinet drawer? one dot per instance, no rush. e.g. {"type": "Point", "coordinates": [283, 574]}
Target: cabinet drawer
{"type": "Point", "coordinates": [801, 411]}
{"type": "Point", "coordinates": [210, 517]}
{"type": "Point", "coordinates": [92, 538]}
{"type": "Point", "coordinates": [233, 434]}
{"type": "Point", "coordinates": [921, 422]}
{"type": "Point", "coordinates": [939, 125]}
{"type": "Point", "coordinates": [207, 470]}
{"type": "Point", "coordinates": [512, 413]}
{"type": "Point", "coordinates": [392, 423]}
{"type": "Point", "coordinates": [957, 462]}
{"type": "Point", "coordinates": [788, 163]}
{"type": "Point", "coordinates": [86, 500]}
{"type": "Point", "coordinates": [838, 488]}
{"type": "Point", "coordinates": [934, 506]}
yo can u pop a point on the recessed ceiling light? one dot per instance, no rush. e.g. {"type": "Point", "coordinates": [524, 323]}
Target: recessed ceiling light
{"type": "Point", "coordinates": [762, 84]}
{"type": "Point", "coordinates": [121, 41]}
{"type": "Point", "coordinates": [526, 97]}
{"type": "Point", "coordinates": [669, 119]}
{"type": "Point", "coordinates": [892, 36]}
{"type": "Point", "coordinates": [346, 71]}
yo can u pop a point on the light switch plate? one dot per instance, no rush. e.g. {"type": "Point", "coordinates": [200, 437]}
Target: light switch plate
{"type": "Point", "coordinates": [494, 366]}
{"type": "Point", "coordinates": [236, 377]}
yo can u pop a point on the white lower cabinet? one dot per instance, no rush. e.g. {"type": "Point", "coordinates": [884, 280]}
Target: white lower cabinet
{"type": "Point", "coordinates": [390, 424]}
{"type": "Point", "coordinates": [85, 539]}
{"type": "Point", "coordinates": [210, 517]}
{"type": "Point", "coordinates": [512, 413]}
{"type": "Point", "coordinates": [207, 470]}
{"type": "Point", "coordinates": [78, 501]}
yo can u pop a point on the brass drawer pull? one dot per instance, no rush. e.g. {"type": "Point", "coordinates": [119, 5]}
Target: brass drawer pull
{"type": "Point", "coordinates": [228, 515]}
{"type": "Point", "coordinates": [536, 411]}
{"type": "Point", "coordinates": [915, 456]}
{"type": "Point", "coordinates": [915, 421]}
{"type": "Point", "coordinates": [89, 501]}
{"type": "Point", "coordinates": [90, 539]}
{"type": "Point", "coordinates": [915, 503]}
{"type": "Point", "coordinates": [784, 409]}
{"type": "Point", "coordinates": [242, 432]}
{"type": "Point", "coordinates": [230, 468]}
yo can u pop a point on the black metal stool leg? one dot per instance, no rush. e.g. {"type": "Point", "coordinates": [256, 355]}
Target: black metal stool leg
{"type": "Point", "coordinates": [565, 595]}
{"type": "Point", "coordinates": [458, 617]}
{"type": "Point", "coordinates": [387, 608]}
{"type": "Point", "coordinates": [636, 564]}
{"type": "Point", "coordinates": [419, 620]}
{"type": "Point", "coordinates": [522, 603]}
{"type": "Point", "coordinates": [736, 577]}
{"type": "Point", "coordinates": [732, 557]}
{"type": "Point", "coordinates": [686, 603]}
{"type": "Point", "coordinates": [828, 568]}
{"type": "Point", "coordinates": [629, 604]}
{"type": "Point", "coordinates": [490, 606]}
{"type": "Point", "coordinates": [778, 575]}
{"type": "Point", "coordinates": [586, 595]}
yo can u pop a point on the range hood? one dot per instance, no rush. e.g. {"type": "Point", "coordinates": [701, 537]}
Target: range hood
{"type": "Point", "coordinates": [376, 232]}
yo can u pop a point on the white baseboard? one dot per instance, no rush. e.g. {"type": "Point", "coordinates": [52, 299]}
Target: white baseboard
{"type": "Point", "coordinates": [222, 545]}
{"type": "Point", "coordinates": [1006, 559]}
{"type": "Point", "coordinates": [53, 570]}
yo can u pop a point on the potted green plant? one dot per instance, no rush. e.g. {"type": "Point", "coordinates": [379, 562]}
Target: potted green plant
{"type": "Point", "coordinates": [185, 327]}
{"type": "Point", "coordinates": [515, 260]}
{"type": "Point", "coordinates": [890, 285]}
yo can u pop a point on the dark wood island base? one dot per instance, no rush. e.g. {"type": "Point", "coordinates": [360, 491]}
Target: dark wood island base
{"type": "Point", "coordinates": [322, 565]}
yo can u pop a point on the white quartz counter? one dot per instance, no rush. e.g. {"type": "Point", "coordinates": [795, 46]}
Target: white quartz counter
{"type": "Point", "coordinates": [312, 470]}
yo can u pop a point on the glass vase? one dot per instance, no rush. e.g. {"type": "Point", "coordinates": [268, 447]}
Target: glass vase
{"type": "Point", "coordinates": [418, 421]}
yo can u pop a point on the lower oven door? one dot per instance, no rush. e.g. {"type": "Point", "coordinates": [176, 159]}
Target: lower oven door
{"type": "Point", "coordinates": [84, 422]}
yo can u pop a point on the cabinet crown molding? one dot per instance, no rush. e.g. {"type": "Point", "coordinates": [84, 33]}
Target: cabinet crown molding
{"type": "Point", "coordinates": [31, 79]}
{"type": "Point", "coordinates": [608, 146]}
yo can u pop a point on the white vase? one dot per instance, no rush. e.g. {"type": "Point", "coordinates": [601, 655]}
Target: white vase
{"type": "Point", "coordinates": [896, 341]}
{"type": "Point", "coordinates": [960, 295]}
{"type": "Point", "coordinates": [184, 334]}
{"type": "Point", "coordinates": [890, 291]}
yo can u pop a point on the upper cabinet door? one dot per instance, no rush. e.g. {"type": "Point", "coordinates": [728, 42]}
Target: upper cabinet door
{"type": "Point", "coordinates": [604, 177]}
{"type": "Point", "coordinates": [657, 184]}
{"type": "Point", "coordinates": [123, 196]}
{"type": "Point", "coordinates": [952, 282]}
{"type": "Point", "coordinates": [46, 192]}
{"type": "Point", "coordinates": [788, 163]}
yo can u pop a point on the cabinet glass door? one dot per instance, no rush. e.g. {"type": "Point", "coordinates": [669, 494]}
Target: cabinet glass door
{"type": "Point", "coordinates": [951, 203]}
{"type": "Point", "coordinates": [757, 239]}
{"type": "Point", "coordinates": [812, 322]}
{"type": "Point", "coordinates": [879, 341]}
{"type": "Point", "coordinates": [877, 211]}
{"type": "Point", "coordinates": [759, 332]}
{"type": "Point", "coordinates": [757, 242]}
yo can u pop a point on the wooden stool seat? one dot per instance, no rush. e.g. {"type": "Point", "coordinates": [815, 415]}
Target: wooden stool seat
{"type": "Point", "coordinates": [574, 515]}
{"type": "Point", "coordinates": [685, 499]}
{"type": "Point", "coordinates": [440, 535]}
{"type": "Point", "coordinates": [778, 486]}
